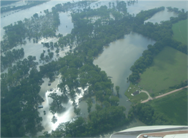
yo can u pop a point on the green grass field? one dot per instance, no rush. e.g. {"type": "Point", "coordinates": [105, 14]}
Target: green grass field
{"type": "Point", "coordinates": [174, 106]}
{"type": "Point", "coordinates": [180, 31]}
{"type": "Point", "coordinates": [169, 68]}
{"type": "Point", "coordinates": [137, 98]}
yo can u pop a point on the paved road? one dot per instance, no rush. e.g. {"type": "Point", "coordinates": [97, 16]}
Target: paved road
{"type": "Point", "coordinates": [150, 98]}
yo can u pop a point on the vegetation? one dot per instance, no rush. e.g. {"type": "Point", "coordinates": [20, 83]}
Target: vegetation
{"type": "Point", "coordinates": [29, 5]}
{"type": "Point", "coordinates": [77, 69]}
{"type": "Point", "coordinates": [10, 57]}
{"type": "Point", "coordinates": [48, 56]}
{"type": "Point", "coordinates": [137, 98]}
{"type": "Point", "coordinates": [161, 74]}
{"type": "Point", "coordinates": [30, 29]}
{"type": "Point", "coordinates": [8, 2]}
{"type": "Point", "coordinates": [162, 34]}
{"type": "Point", "coordinates": [20, 86]}
{"type": "Point", "coordinates": [180, 31]}
{"type": "Point", "coordinates": [20, 99]}
{"type": "Point", "coordinates": [173, 106]}
{"type": "Point", "coordinates": [148, 115]}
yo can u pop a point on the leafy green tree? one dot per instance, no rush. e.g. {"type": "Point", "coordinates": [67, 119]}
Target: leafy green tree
{"type": "Point", "coordinates": [117, 90]}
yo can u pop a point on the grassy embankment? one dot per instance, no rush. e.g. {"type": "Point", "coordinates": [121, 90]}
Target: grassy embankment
{"type": "Point", "coordinates": [137, 98]}
{"type": "Point", "coordinates": [173, 106]}
{"type": "Point", "coordinates": [168, 69]}
{"type": "Point", "coordinates": [180, 31]}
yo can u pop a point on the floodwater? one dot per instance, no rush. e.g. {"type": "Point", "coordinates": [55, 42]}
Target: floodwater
{"type": "Point", "coordinates": [66, 24]}
{"type": "Point", "coordinates": [19, 3]}
{"type": "Point", "coordinates": [161, 16]}
{"type": "Point", "coordinates": [146, 5]}
{"type": "Point", "coordinates": [116, 59]}
{"type": "Point", "coordinates": [67, 115]}
{"type": "Point", "coordinates": [27, 13]}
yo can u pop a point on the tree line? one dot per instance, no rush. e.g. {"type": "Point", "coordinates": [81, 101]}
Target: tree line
{"type": "Point", "coordinates": [162, 34]}
{"type": "Point", "coordinates": [20, 99]}
{"type": "Point", "coordinates": [17, 33]}
{"type": "Point", "coordinates": [149, 116]}
{"type": "Point", "coordinates": [20, 86]}
{"type": "Point", "coordinates": [29, 5]}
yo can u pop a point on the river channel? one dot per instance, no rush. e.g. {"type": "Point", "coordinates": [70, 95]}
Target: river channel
{"type": "Point", "coordinates": [115, 60]}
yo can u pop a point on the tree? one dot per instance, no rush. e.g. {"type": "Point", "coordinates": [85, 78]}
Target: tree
{"type": "Point", "coordinates": [89, 104]}
{"type": "Point", "coordinates": [56, 106]}
{"type": "Point", "coordinates": [117, 90]}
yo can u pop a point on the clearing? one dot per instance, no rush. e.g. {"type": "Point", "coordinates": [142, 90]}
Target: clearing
{"type": "Point", "coordinates": [180, 31]}
{"type": "Point", "coordinates": [173, 106]}
{"type": "Point", "coordinates": [168, 69]}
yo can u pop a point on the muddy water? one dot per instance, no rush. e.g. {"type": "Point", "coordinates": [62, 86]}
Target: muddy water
{"type": "Point", "coordinates": [66, 24]}
{"type": "Point", "coordinates": [116, 59]}
{"type": "Point", "coordinates": [146, 5]}
{"type": "Point", "coordinates": [161, 16]}
{"type": "Point", "coordinates": [27, 13]}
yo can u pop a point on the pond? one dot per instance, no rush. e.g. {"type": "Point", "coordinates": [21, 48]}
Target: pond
{"type": "Point", "coordinates": [117, 59]}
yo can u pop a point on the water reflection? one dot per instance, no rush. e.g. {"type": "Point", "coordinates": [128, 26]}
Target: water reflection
{"type": "Point", "coordinates": [66, 116]}
{"type": "Point", "coordinates": [146, 5]}
{"type": "Point", "coordinates": [161, 16]}
{"type": "Point", "coordinates": [66, 24]}
{"type": "Point", "coordinates": [117, 59]}
{"type": "Point", "coordinates": [27, 13]}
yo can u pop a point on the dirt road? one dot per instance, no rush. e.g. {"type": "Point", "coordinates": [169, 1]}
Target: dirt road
{"type": "Point", "coordinates": [149, 98]}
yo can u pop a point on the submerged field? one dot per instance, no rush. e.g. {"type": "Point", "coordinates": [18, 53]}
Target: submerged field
{"type": "Point", "coordinates": [174, 106]}
{"type": "Point", "coordinates": [180, 31]}
{"type": "Point", "coordinates": [169, 68]}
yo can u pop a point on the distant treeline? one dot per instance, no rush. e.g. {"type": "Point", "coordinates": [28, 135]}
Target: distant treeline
{"type": "Point", "coordinates": [69, 6]}
{"type": "Point", "coordinates": [7, 2]}
{"type": "Point", "coordinates": [144, 15]}
{"type": "Point", "coordinates": [182, 84]}
{"type": "Point", "coordinates": [29, 5]}
{"type": "Point", "coordinates": [17, 33]}
{"type": "Point", "coordinates": [162, 34]}
{"type": "Point", "coordinates": [21, 85]}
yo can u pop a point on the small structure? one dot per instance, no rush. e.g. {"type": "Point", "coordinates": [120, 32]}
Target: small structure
{"type": "Point", "coordinates": [40, 106]}
{"type": "Point", "coordinates": [135, 93]}
{"type": "Point", "coordinates": [51, 89]}
{"type": "Point", "coordinates": [49, 84]}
